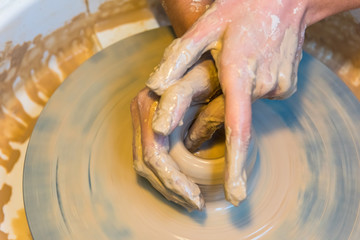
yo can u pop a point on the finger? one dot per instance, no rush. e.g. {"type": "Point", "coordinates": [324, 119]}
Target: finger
{"type": "Point", "coordinates": [287, 80]}
{"type": "Point", "coordinates": [236, 83]}
{"type": "Point", "coordinates": [266, 79]}
{"type": "Point", "coordinates": [199, 84]}
{"type": "Point", "coordinates": [156, 157]}
{"type": "Point", "coordinates": [185, 51]}
{"type": "Point", "coordinates": [237, 131]}
{"type": "Point", "coordinates": [290, 57]}
{"type": "Point", "coordinates": [210, 119]}
{"type": "Point", "coordinates": [286, 87]}
{"type": "Point", "coordinates": [139, 165]}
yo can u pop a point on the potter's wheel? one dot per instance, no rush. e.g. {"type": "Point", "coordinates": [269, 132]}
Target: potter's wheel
{"type": "Point", "coordinates": [79, 182]}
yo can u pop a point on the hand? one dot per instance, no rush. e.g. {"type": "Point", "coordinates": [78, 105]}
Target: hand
{"type": "Point", "coordinates": [241, 69]}
{"type": "Point", "coordinates": [257, 49]}
{"type": "Point", "coordinates": [150, 149]}
{"type": "Point", "coordinates": [151, 158]}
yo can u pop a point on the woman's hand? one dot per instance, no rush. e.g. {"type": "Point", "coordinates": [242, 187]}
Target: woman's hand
{"type": "Point", "coordinates": [257, 48]}
{"type": "Point", "coordinates": [151, 150]}
{"type": "Point", "coordinates": [151, 158]}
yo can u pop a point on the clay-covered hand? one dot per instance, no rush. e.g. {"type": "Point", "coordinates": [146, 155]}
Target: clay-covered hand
{"type": "Point", "coordinates": [256, 45]}
{"type": "Point", "coordinates": [150, 149]}
{"type": "Point", "coordinates": [151, 158]}
{"type": "Point", "coordinates": [198, 85]}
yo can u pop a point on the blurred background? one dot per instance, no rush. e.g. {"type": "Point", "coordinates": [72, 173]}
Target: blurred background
{"type": "Point", "coordinates": [43, 41]}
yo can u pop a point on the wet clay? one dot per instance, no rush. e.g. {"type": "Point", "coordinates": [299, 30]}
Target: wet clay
{"type": "Point", "coordinates": [40, 76]}
{"type": "Point", "coordinates": [213, 148]}
{"type": "Point", "coordinates": [293, 192]}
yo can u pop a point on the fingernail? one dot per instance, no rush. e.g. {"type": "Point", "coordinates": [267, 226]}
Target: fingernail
{"type": "Point", "coordinates": [235, 175]}
{"type": "Point", "coordinates": [235, 192]}
{"type": "Point", "coordinates": [162, 122]}
{"type": "Point", "coordinates": [199, 202]}
{"type": "Point", "coordinates": [189, 144]}
{"type": "Point", "coordinates": [154, 83]}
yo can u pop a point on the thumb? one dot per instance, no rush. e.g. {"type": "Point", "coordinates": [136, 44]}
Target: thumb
{"type": "Point", "coordinates": [184, 52]}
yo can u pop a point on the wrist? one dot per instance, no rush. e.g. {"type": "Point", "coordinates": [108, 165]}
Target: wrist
{"type": "Point", "coordinates": [320, 9]}
{"type": "Point", "coordinates": [183, 13]}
